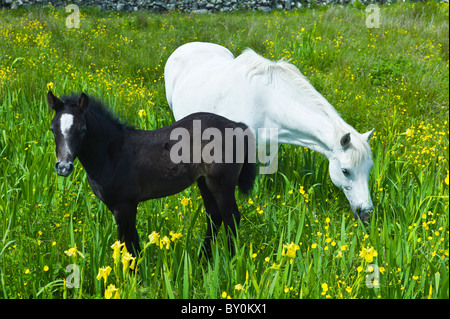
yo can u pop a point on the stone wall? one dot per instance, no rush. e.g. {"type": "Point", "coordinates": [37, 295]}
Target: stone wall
{"type": "Point", "coordinates": [197, 6]}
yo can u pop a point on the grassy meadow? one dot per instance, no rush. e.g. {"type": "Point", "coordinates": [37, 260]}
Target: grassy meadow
{"type": "Point", "coordinates": [297, 237]}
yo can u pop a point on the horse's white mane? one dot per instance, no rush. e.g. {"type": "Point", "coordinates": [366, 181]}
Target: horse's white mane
{"type": "Point", "coordinates": [270, 70]}
{"type": "Point", "coordinates": [282, 69]}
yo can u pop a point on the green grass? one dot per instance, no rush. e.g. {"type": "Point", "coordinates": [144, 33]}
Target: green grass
{"type": "Point", "coordinates": [394, 78]}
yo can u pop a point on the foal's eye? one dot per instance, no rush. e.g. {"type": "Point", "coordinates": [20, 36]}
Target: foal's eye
{"type": "Point", "coordinates": [346, 172]}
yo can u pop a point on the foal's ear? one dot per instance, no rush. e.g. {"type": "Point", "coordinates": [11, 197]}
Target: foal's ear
{"type": "Point", "coordinates": [53, 102]}
{"type": "Point", "coordinates": [345, 140]}
{"type": "Point", "coordinates": [83, 102]}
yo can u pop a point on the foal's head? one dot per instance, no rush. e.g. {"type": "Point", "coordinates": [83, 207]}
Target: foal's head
{"type": "Point", "coordinates": [69, 128]}
{"type": "Point", "coordinates": [350, 165]}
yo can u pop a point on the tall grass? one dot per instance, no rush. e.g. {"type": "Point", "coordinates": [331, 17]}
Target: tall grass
{"type": "Point", "coordinates": [297, 237]}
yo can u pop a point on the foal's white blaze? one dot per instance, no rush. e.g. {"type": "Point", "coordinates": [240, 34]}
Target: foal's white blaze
{"type": "Point", "coordinates": [66, 123]}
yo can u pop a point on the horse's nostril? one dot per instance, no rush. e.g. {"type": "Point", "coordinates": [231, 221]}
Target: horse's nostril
{"type": "Point", "coordinates": [57, 165]}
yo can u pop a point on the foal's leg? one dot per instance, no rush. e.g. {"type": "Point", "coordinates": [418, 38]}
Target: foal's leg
{"type": "Point", "coordinates": [125, 216]}
{"type": "Point", "coordinates": [230, 213]}
{"type": "Point", "coordinates": [214, 220]}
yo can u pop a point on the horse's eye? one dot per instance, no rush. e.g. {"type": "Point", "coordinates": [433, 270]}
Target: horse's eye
{"type": "Point", "coordinates": [346, 172]}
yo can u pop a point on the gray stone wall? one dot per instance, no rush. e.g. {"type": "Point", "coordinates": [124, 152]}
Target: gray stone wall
{"type": "Point", "coordinates": [197, 6]}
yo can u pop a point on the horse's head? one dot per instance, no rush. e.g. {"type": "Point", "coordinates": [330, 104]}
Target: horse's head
{"type": "Point", "coordinates": [350, 164]}
{"type": "Point", "coordinates": [69, 128]}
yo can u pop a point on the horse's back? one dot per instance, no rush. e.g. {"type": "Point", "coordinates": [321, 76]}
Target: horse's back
{"type": "Point", "coordinates": [204, 77]}
{"type": "Point", "coordinates": [190, 61]}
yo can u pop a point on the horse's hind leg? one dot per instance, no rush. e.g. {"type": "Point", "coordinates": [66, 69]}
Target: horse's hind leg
{"type": "Point", "coordinates": [214, 220]}
{"type": "Point", "coordinates": [125, 216]}
{"type": "Point", "coordinates": [230, 213]}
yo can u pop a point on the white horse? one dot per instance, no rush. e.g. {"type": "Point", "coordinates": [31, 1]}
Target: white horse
{"type": "Point", "coordinates": [206, 77]}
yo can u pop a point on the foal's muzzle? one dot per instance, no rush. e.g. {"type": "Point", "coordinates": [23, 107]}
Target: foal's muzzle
{"type": "Point", "coordinates": [63, 168]}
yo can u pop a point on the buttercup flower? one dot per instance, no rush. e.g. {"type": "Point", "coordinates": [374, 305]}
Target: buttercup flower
{"type": "Point", "coordinates": [324, 288]}
{"type": "Point", "coordinates": [185, 201]}
{"type": "Point", "coordinates": [368, 254]}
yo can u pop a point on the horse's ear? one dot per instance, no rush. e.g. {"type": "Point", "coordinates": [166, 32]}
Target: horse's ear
{"type": "Point", "coordinates": [53, 102]}
{"type": "Point", "coordinates": [83, 102]}
{"type": "Point", "coordinates": [345, 140]}
{"type": "Point", "coordinates": [368, 135]}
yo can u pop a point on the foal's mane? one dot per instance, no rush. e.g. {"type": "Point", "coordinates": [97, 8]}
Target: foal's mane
{"type": "Point", "coordinates": [99, 109]}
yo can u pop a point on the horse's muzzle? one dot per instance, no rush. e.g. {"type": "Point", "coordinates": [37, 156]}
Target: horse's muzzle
{"type": "Point", "coordinates": [363, 214]}
{"type": "Point", "coordinates": [63, 168]}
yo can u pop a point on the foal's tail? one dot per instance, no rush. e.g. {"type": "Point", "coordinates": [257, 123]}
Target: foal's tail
{"type": "Point", "coordinates": [248, 172]}
{"type": "Point", "coordinates": [247, 177]}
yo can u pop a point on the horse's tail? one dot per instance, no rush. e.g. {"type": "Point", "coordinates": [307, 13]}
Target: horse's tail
{"type": "Point", "coordinates": [248, 172]}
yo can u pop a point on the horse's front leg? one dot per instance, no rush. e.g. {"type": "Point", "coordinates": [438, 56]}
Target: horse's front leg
{"type": "Point", "coordinates": [125, 216]}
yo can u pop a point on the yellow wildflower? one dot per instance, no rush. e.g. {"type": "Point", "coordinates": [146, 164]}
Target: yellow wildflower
{"type": "Point", "coordinates": [142, 113]}
{"type": "Point", "coordinates": [73, 252]}
{"type": "Point", "coordinates": [164, 241]}
{"type": "Point", "coordinates": [117, 246]}
{"type": "Point", "coordinates": [110, 291]}
{"type": "Point", "coordinates": [368, 254]}
{"type": "Point", "coordinates": [104, 273]}
{"type": "Point", "coordinates": [185, 201]}
{"type": "Point", "coordinates": [324, 289]}
{"type": "Point", "coordinates": [154, 238]}
{"type": "Point", "coordinates": [301, 190]}
{"type": "Point", "coordinates": [239, 287]}
{"type": "Point", "coordinates": [175, 236]}
{"type": "Point", "coordinates": [290, 250]}
{"type": "Point", "coordinates": [126, 258]}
